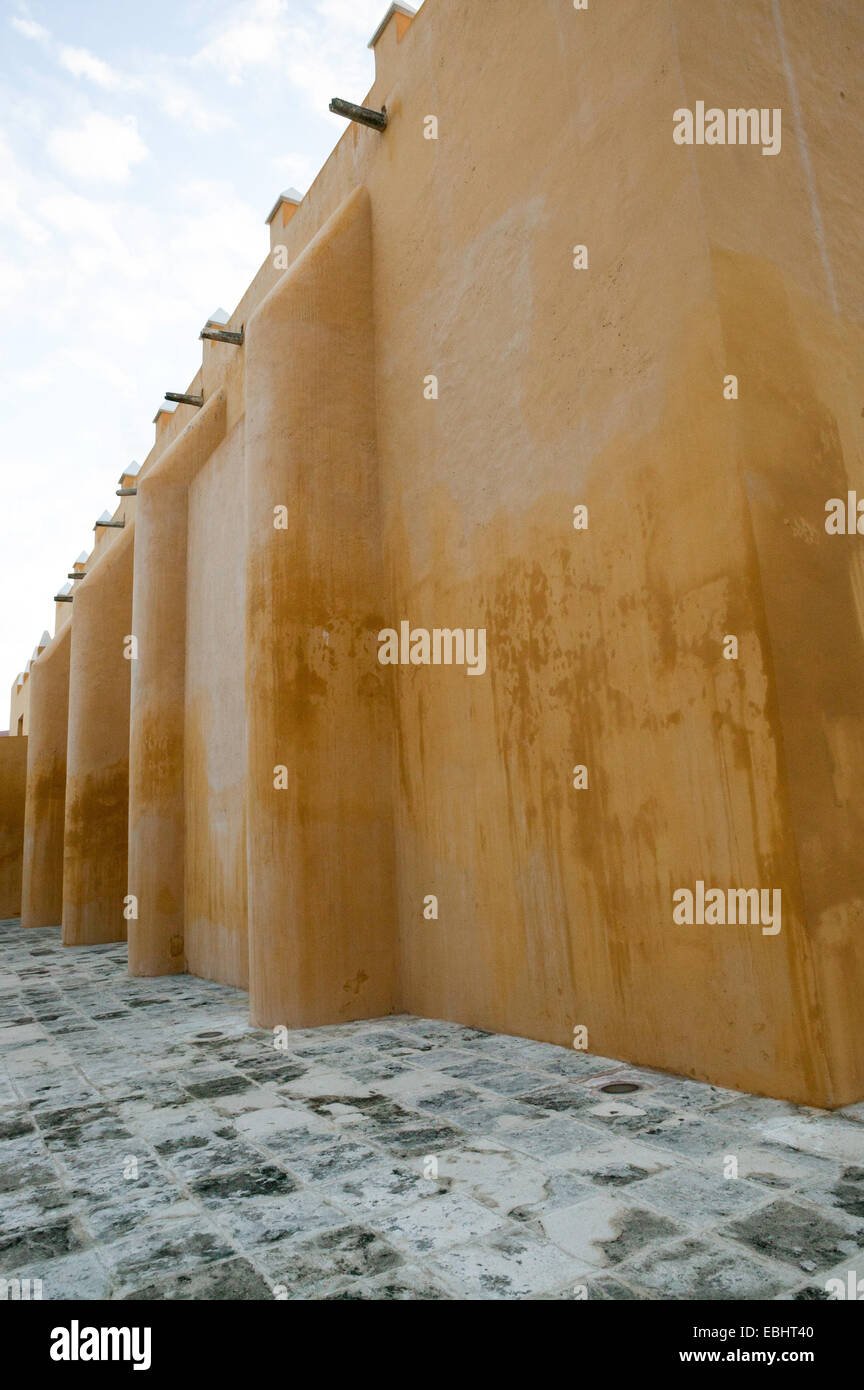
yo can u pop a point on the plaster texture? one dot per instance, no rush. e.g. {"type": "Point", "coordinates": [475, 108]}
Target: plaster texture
{"type": "Point", "coordinates": [293, 805]}
{"type": "Point", "coordinates": [13, 784]}
{"type": "Point", "coordinates": [44, 825]}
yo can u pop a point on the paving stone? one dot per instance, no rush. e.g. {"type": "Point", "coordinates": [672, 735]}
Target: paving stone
{"type": "Point", "coordinates": [435, 1222]}
{"type": "Point", "coordinates": [614, 1161]}
{"type": "Point", "coordinates": [38, 1244]}
{"type": "Point", "coordinates": [70, 1278]}
{"type": "Point", "coordinates": [694, 1136]}
{"type": "Point", "coordinates": [843, 1189]}
{"type": "Point", "coordinates": [110, 1221]}
{"type": "Point", "coordinates": [327, 1158]}
{"type": "Point", "coordinates": [408, 1282]}
{"type": "Point", "coordinates": [33, 1206]}
{"type": "Point", "coordinates": [798, 1235]}
{"type": "Point", "coordinates": [629, 1115]}
{"type": "Point", "coordinates": [506, 1267]}
{"type": "Point", "coordinates": [156, 1250]}
{"type": "Point", "coordinates": [550, 1138]}
{"type": "Point", "coordinates": [825, 1136]}
{"type": "Point", "coordinates": [25, 1172]}
{"type": "Point", "coordinates": [698, 1198]}
{"type": "Point", "coordinates": [229, 1280]}
{"type": "Point", "coordinates": [419, 1139]}
{"type": "Point", "coordinates": [350, 1252]}
{"type": "Point", "coordinates": [380, 1188]}
{"type": "Point", "coordinates": [213, 1157]}
{"type": "Point", "coordinates": [308, 1173]}
{"type": "Point", "coordinates": [498, 1177]}
{"type": "Point", "coordinates": [605, 1230]}
{"type": "Point", "coordinates": [701, 1269]}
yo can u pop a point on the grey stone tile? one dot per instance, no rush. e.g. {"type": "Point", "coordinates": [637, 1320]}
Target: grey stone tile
{"type": "Point", "coordinates": [413, 1140]}
{"type": "Point", "coordinates": [38, 1245]}
{"type": "Point", "coordinates": [380, 1189]}
{"type": "Point", "coordinates": [234, 1280]}
{"type": "Point", "coordinates": [691, 1135]}
{"type": "Point", "coordinates": [605, 1289]}
{"type": "Point", "coordinates": [33, 1206]}
{"type": "Point", "coordinates": [559, 1135]}
{"type": "Point", "coordinates": [156, 1250]}
{"type": "Point", "coordinates": [508, 1266]}
{"type": "Point", "coordinates": [212, 1158]}
{"type": "Point", "coordinates": [698, 1198]}
{"type": "Point", "coordinates": [817, 1133]}
{"type": "Point", "coordinates": [436, 1222]}
{"type": "Point", "coordinates": [604, 1230]}
{"type": "Point", "coordinates": [395, 1158]}
{"type": "Point", "coordinates": [499, 1118]}
{"type": "Point", "coordinates": [345, 1252]}
{"type": "Point", "coordinates": [70, 1278]}
{"type": "Point", "coordinates": [330, 1158]}
{"type": "Point", "coordinates": [843, 1189]}
{"type": "Point", "coordinates": [797, 1235]}
{"type": "Point", "coordinates": [498, 1177]}
{"type": "Point", "coordinates": [698, 1268]}
{"type": "Point", "coordinates": [407, 1283]}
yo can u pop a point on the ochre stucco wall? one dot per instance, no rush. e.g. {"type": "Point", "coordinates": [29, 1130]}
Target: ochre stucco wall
{"type": "Point", "coordinates": [156, 753]}
{"type": "Point", "coordinates": [557, 387]}
{"type": "Point", "coordinates": [13, 779]}
{"type": "Point", "coordinates": [322, 926]}
{"type": "Point", "coordinates": [785, 243]}
{"type": "Point", "coordinates": [97, 756]}
{"type": "Point", "coordinates": [42, 888]}
{"type": "Point", "coordinates": [217, 943]}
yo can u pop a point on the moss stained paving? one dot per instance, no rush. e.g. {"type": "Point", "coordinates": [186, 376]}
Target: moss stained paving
{"type": "Point", "coordinates": [153, 1145]}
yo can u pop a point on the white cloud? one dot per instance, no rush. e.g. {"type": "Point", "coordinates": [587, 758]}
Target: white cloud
{"type": "Point", "coordinates": [182, 104]}
{"type": "Point", "coordinates": [30, 29]}
{"type": "Point", "coordinates": [318, 53]}
{"type": "Point", "coordinates": [81, 63]}
{"type": "Point", "coordinates": [355, 16]}
{"type": "Point", "coordinates": [101, 148]}
{"type": "Point", "coordinates": [252, 37]}
{"type": "Point", "coordinates": [297, 169]}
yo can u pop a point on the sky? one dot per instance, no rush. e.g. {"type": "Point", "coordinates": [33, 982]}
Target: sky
{"type": "Point", "coordinates": [141, 147]}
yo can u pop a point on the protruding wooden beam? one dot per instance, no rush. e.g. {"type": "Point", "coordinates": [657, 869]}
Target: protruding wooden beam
{"type": "Point", "coordinates": [364, 115]}
{"type": "Point", "coordinates": [76, 574]}
{"type": "Point", "coordinates": [127, 491]}
{"type": "Point", "coordinates": [184, 398]}
{"type": "Point", "coordinates": [117, 524]}
{"type": "Point", "coordinates": [222, 335]}
{"type": "Point", "coordinates": [62, 598]}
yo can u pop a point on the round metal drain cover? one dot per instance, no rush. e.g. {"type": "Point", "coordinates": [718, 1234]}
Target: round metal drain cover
{"type": "Point", "coordinates": [620, 1088]}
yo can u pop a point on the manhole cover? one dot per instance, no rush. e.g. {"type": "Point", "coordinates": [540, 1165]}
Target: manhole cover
{"type": "Point", "coordinates": [619, 1088]}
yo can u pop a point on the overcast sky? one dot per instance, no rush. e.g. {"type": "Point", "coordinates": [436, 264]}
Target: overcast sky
{"type": "Point", "coordinates": [141, 147]}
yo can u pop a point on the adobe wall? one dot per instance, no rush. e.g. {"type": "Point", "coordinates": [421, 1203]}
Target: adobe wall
{"type": "Point", "coordinates": [321, 853]}
{"type": "Point", "coordinates": [371, 789]}
{"type": "Point", "coordinates": [42, 886]}
{"type": "Point", "coordinates": [157, 802]}
{"type": "Point", "coordinates": [785, 246]}
{"type": "Point", "coordinates": [19, 706]}
{"type": "Point", "coordinates": [217, 944]}
{"type": "Point", "coordinates": [13, 779]}
{"type": "Point", "coordinates": [560, 387]}
{"type": "Point", "coordinates": [97, 757]}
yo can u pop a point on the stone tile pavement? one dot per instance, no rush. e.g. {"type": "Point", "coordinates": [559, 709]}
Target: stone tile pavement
{"type": "Point", "coordinates": [154, 1146]}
